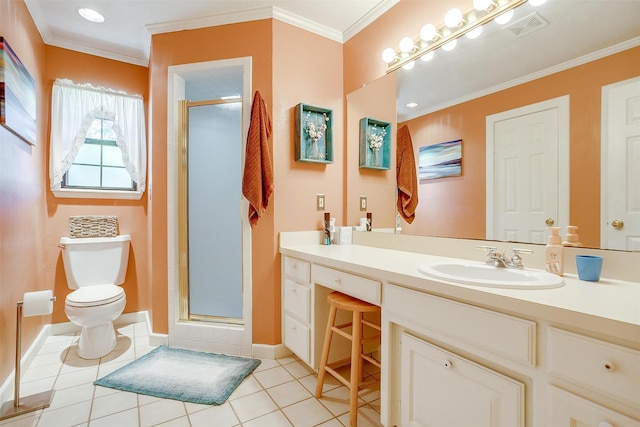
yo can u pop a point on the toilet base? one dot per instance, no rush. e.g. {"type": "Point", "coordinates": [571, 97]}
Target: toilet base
{"type": "Point", "coordinates": [97, 341]}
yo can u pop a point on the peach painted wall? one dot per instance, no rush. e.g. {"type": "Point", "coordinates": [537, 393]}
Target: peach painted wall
{"type": "Point", "coordinates": [455, 207]}
{"type": "Point", "coordinates": [184, 47]}
{"type": "Point", "coordinates": [132, 214]}
{"type": "Point", "coordinates": [22, 183]}
{"type": "Point", "coordinates": [307, 69]}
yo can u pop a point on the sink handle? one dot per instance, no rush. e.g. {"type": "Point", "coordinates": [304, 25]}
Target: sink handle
{"type": "Point", "coordinates": [516, 259]}
{"type": "Point", "coordinates": [489, 249]}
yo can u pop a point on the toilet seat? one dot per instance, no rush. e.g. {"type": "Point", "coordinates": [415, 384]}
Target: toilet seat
{"type": "Point", "coordinates": [92, 296]}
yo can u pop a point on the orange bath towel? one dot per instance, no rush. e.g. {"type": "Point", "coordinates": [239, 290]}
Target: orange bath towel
{"type": "Point", "coordinates": [257, 181]}
{"type": "Point", "coordinates": [406, 175]}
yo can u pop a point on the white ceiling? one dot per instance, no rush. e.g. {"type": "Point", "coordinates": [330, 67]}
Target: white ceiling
{"type": "Point", "coordinates": [126, 33]}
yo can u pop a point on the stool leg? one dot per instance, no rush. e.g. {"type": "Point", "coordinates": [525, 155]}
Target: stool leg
{"type": "Point", "coordinates": [356, 346]}
{"type": "Point", "coordinates": [325, 350]}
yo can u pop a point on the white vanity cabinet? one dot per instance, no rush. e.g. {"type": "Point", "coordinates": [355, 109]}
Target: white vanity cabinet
{"type": "Point", "coordinates": [582, 363]}
{"type": "Point", "coordinates": [296, 307]}
{"type": "Point", "coordinates": [439, 388]}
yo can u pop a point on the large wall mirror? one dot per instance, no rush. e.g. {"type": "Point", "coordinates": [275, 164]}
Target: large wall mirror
{"type": "Point", "coordinates": [566, 52]}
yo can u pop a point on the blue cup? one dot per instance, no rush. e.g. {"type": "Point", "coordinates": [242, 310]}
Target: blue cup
{"type": "Point", "coordinates": [589, 267]}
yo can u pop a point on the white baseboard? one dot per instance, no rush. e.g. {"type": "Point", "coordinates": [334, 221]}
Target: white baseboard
{"type": "Point", "coordinates": [7, 388]}
{"type": "Point", "coordinates": [265, 351]}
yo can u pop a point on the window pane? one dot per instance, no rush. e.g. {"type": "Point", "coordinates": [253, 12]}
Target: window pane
{"type": "Point", "coordinates": [116, 178]}
{"type": "Point", "coordinates": [94, 131]}
{"type": "Point", "coordinates": [83, 176]}
{"type": "Point", "coordinates": [108, 133]}
{"type": "Point", "coordinates": [112, 156]}
{"type": "Point", "coordinates": [88, 153]}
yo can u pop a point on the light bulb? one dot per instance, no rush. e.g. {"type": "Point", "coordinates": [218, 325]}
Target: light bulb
{"type": "Point", "coordinates": [475, 33]}
{"type": "Point", "coordinates": [482, 5]}
{"type": "Point", "coordinates": [409, 65]}
{"type": "Point", "coordinates": [388, 55]}
{"type": "Point", "coordinates": [427, 57]}
{"type": "Point", "coordinates": [536, 3]}
{"type": "Point", "coordinates": [406, 44]}
{"type": "Point", "coordinates": [428, 32]}
{"type": "Point", "coordinates": [504, 18]}
{"type": "Point", "coordinates": [452, 18]}
{"type": "Point", "coordinates": [450, 46]}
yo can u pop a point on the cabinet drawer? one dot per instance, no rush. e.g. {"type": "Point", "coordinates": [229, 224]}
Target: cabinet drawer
{"type": "Point", "coordinates": [356, 286]}
{"type": "Point", "coordinates": [566, 409]}
{"type": "Point", "coordinates": [297, 269]}
{"type": "Point", "coordinates": [471, 328]}
{"type": "Point", "coordinates": [296, 337]}
{"type": "Point", "coordinates": [297, 299]}
{"type": "Point", "coordinates": [603, 367]}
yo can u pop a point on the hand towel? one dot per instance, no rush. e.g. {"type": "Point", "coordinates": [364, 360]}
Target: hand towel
{"type": "Point", "coordinates": [406, 175]}
{"type": "Point", "coordinates": [257, 180]}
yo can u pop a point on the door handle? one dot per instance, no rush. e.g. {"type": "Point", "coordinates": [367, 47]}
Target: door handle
{"type": "Point", "coordinates": [549, 222]}
{"type": "Point", "coordinates": [617, 224]}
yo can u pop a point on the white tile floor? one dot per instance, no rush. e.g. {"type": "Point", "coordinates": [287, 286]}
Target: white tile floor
{"type": "Point", "coordinates": [278, 393]}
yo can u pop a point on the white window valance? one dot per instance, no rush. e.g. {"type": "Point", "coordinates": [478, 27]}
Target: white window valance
{"type": "Point", "coordinates": [75, 106]}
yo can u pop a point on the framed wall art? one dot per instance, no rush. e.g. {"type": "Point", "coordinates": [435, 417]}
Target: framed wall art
{"type": "Point", "coordinates": [375, 144]}
{"type": "Point", "coordinates": [313, 133]}
{"type": "Point", "coordinates": [440, 160]}
{"type": "Point", "coordinates": [17, 95]}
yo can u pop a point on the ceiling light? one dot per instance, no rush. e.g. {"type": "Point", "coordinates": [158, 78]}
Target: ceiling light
{"type": "Point", "coordinates": [536, 3]}
{"type": "Point", "coordinates": [475, 33]}
{"type": "Point", "coordinates": [409, 65]}
{"type": "Point", "coordinates": [412, 105]}
{"type": "Point", "coordinates": [453, 18]}
{"type": "Point", "coordinates": [504, 18]}
{"type": "Point", "coordinates": [427, 57]}
{"type": "Point", "coordinates": [91, 15]}
{"type": "Point", "coordinates": [450, 46]}
{"type": "Point", "coordinates": [428, 32]}
{"type": "Point", "coordinates": [406, 44]}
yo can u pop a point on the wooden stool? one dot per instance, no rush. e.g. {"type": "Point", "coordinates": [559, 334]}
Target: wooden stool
{"type": "Point", "coordinates": [338, 301]}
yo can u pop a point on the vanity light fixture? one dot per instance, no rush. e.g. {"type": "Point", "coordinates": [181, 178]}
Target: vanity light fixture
{"type": "Point", "coordinates": [456, 24]}
{"type": "Point", "coordinates": [91, 15]}
{"type": "Point", "coordinates": [428, 56]}
{"type": "Point", "coordinates": [504, 18]}
{"type": "Point", "coordinates": [409, 65]}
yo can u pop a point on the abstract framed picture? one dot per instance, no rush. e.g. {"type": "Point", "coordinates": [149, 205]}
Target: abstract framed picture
{"type": "Point", "coordinates": [440, 160]}
{"type": "Point", "coordinates": [17, 95]}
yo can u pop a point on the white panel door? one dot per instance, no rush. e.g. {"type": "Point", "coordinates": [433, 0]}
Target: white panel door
{"type": "Point", "coordinates": [527, 179]}
{"type": "Point", "coordinates": [438, 388]}
{"type": "Point", "coordinates": [620, 219]}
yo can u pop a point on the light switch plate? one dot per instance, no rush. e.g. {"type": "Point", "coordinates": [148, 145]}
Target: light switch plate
{"type": "Point", "coordinates": [320, 202]}
{"type": "Point", "coordinates": [363, 203]}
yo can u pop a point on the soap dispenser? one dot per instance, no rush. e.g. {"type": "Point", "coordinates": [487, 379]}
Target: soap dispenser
{"type": "Point", "coordinates": [554, 252]}
{"type": "Point", "coordinates": [572, 238]}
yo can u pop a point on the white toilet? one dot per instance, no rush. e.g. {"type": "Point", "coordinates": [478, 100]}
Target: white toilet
{"type": "Point", "coordinates": [95, 267]}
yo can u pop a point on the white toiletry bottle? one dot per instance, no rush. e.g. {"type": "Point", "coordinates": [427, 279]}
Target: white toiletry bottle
{"type": "Point", "coordinates": [554, 252]}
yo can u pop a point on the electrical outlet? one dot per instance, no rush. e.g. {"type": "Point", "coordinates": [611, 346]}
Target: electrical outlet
{"type": "Point", "coordinates": [320, 202]}
{"type": "Point", "coordinates": [363, 203]}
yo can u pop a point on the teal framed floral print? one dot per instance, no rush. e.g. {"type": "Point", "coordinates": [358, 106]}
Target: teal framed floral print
{"type": "Point", "coordinates": [375, 144]}
{"type": "Point", "coordinates": [313, 133]}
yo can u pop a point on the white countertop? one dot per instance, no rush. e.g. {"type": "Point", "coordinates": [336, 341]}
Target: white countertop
{"type": "Point", "coordinates": [610, 308]}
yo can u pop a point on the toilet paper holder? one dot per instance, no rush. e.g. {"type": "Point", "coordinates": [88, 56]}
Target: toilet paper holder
{"type": "Point", "coordinates": [29, 403]}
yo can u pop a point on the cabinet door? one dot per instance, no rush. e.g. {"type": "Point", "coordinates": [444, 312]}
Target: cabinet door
{"type": "Point", "coordinates": [441, 389]}
{"type": "Point", "coordinates": [569, 410]}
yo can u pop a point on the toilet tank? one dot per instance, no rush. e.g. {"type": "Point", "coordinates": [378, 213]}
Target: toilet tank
{"type": "Point", "coordinates": [95, 260]}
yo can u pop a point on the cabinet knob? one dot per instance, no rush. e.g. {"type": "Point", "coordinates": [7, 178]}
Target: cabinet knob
{"type": "Point", "coordinates": [605, 424]}
{"type": "Point", "coordinates": [337, 282]}
{"type": "Point", "coordinates": [608, 365]}
{"type": "Point", "coordinates": [447, 364]}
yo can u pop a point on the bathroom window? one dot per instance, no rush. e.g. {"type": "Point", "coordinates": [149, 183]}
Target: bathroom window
{"type": "Point", "coordinates": [98, 164]}
{"type": "Point", "coordinates": [98, 146]}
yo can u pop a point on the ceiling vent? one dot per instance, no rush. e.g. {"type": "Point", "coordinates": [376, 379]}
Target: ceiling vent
{"type": "Point", "coordinates": [528, 24]}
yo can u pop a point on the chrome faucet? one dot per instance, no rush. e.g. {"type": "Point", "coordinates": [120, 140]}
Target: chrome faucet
{"type": "Point", "coordinates": [498, 259]}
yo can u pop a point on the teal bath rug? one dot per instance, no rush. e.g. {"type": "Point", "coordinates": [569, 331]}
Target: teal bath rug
{"type": "Point", "coordinates": [189, 376]}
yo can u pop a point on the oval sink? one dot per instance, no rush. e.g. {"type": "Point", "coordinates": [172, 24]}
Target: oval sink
{"type": "Point", "coordinates": [488, 275]}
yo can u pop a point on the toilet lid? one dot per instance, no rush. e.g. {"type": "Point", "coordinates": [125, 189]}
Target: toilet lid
{"type": "Point", "coordinates": [89, 296]}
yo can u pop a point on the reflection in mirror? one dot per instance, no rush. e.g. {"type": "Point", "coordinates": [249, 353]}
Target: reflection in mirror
{"type": "Point", "coordinates": [569, 52]}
